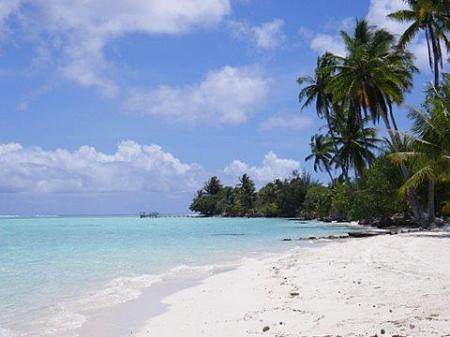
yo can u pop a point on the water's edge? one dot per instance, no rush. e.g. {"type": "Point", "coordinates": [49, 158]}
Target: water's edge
{"type": "Point", "coordinates": [124, 304]}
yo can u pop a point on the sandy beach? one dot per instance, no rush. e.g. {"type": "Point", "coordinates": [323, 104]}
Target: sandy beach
{"type": "Point", "coordinates": [395, 285]}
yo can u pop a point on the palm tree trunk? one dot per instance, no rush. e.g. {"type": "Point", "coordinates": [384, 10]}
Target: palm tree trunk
{"type": "Point", "coordinates": [411, 195]}
{"type": "Point", "coordinates": [436, 56]}
{"type": "Point", "coordinates": [436, 63]}
{"type": "Point", "coordinates": [431, 208]}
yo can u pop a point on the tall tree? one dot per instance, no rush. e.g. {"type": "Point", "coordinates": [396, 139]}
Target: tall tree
{"type": "Point", "coordinates": [431, 17]}
{"type": "Point", "coordinates": [316, 88]}
{"type": "Point", "coordinates": [213, 186]}
{"type": "Point", "coordinates": [430, 150]}
{"type": "Point", "coordinates": [247, 193]}
{"type": "Point", "coordinates": [322, 153]}
{"type": "Point", "coordinates": [372, 77]}
{"type": "Point", "coordinates": [356, 145]}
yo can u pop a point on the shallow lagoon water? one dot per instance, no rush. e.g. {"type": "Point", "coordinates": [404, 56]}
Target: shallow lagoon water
{"type": "Point", "coordinates": [46, 263]}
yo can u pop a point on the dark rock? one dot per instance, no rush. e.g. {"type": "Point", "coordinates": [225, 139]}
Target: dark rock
{"type": "Point", "coordinates": [294, 294]}
{"type": "Point", "coordinates": [404, 220]}
{"type": "Point", "coordinates": [366, 222]}
{"type": "Point", "coordinates": [364, 234]}
{"type": "Point", "coordinates": [286, 240]}
{"type": "Point", "coordinates": [383, 222]}
{"type": "Point", "coordinates": [266, 328]}
{"type": "Point", "coordinates": [382, 331]}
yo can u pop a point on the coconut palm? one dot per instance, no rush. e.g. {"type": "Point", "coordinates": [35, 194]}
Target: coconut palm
{"type": "Point", "coordinates": [322, 152]}
{"type": "Point", "coordinates": [356, 145]}
{"type": "Point", "coordinates": [431, 17]}
{"type": "Point", "coordinates": [212, 186]}
{"type": "Point", "coordinates": [247, 193]}
{"type": "Point", "coordinates": [373, 77]}
{"type": "Point", "coordinates": [430, 150]}
{"type": "Point", "coordinates": [316, 87]}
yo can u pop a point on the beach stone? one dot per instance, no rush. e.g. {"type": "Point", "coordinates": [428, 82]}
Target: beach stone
{"type": "Point", "coordinates": [266, 328]}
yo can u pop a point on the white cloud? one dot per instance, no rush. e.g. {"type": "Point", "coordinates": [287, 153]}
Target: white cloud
{"type": "Point", "coordinates": [7, 7]}
{"type": "Point", "coordinates": [378, 11]}
{"type": "Point", "coordinates": [132, 167]}
{"type": "Point", "coordinates": [322, 43]}
{"type": "Point", "coordinates": [286, 121]}
{"type": "Point", "coordinates": [272, 168]}
{"type": "Point", "coordinates": [84, 28]}
{"type": "Point", "coordinates": [268, 35]}
{"type": "Point", "coordinates": [377, 15]}
{"type": "Point", "coordinates": [226, 96]}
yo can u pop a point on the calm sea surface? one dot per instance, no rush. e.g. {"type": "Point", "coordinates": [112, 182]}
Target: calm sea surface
{"type": "Point", "coordinates": [48, 264]}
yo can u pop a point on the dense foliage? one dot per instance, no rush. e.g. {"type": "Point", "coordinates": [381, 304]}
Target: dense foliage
{"type": "Point", "coordinates": [280, 198]}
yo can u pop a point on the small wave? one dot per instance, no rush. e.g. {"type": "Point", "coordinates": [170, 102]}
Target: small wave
{"type": "Point", "coordinates": [229, 234]}
{"type": "Point", "coordinates": [63, 319]}
{"type": "Point", "coordinates": [118, 290]}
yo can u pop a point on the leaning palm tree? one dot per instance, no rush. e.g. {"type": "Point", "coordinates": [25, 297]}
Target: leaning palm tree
{"type": "Point", "coordinates": [431, 17]}
{"type": "Point", "coordinates": [372, 78]}
{"type": "Point", "coordinates": [322, 152]}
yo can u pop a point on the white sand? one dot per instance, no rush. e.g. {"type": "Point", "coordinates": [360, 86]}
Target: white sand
{"type": "Point", "coordinates": [356, 287]}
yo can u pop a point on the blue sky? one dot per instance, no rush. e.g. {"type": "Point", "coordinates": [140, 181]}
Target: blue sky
{"type": "Point", "coordinates": [122, 106]}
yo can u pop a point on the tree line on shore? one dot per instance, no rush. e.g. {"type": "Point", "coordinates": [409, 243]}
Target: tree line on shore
{"type": "Point", "coordinates": [358, 95]}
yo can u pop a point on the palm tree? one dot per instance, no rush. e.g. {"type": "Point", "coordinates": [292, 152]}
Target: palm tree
{"type": "Point", "coordinates": [213, 186]}
{"type": "Point", "coordinates": [247, 192]}
{"type": "Point", "coordinates": [322, 152]}
{"type": "Point", "coordinates": [356, 145]}
{"type": "Point", "coordinates": [430, 150]}
{"type": "Point", "coordinates": [430, 16]}
{"type": "Point", "coordinates": [372, 77]}
{"type": "Point", "coordinates": [316, 88]}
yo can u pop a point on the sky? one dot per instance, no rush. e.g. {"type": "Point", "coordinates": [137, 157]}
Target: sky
{"type": "Point", "coordinates": [116, 107]}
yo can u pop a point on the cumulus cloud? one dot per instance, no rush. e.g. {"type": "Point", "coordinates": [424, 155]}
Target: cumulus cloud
{"type": "Point", "coordinates": [272, 168]}
{"type": "Point", "coordinates": [225, 96]}
{"type": "Point", "coordinates": [83, 28]}
{"type": "Point", "coordinates": [378, 11]}
{"type": "Point", "coordinates": [286, 121]}
{"type": "Point", "coordinates": [132, 168]}
{"type": "Point", "coordinates": [322, 43]}
{"type": "Point", "coordinates": [268, 35]}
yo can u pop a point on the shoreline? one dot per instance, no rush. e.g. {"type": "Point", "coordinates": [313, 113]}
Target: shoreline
{"type": "Point", "coordinates": [330, 290]}
{"type": "Point", "coordinates": [62, 313]}
{"type": "Point", "coordinates": [147, 298]}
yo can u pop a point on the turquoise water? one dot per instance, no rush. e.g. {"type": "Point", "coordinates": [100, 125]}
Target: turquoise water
{"type": "Point", "coordinates": [48, 261]}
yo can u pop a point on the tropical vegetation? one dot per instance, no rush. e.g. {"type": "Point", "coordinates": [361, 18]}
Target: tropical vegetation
{"type": "Point", "coordinates": [375, 170]}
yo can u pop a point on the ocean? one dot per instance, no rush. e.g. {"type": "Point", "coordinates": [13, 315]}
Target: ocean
{"type": "Point", "coordinates": [55, 269]}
